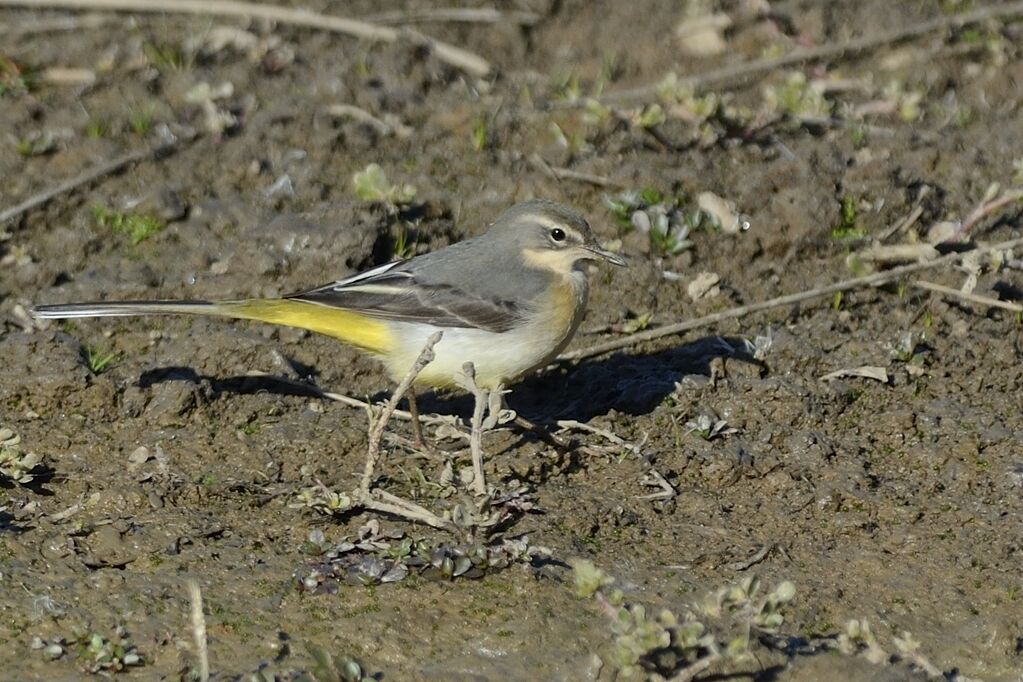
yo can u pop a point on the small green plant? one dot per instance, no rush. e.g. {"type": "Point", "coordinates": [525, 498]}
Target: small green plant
{"type": "Point", "coordinates": [329, 669]}
{"type": "Point", "coordinates": [136, 227]}
{"type": "Point", "coordinates": [404, 244]}
{"type": "Point", "coordinates": [99, 655]}
{"type": "Point", "coordinates": [97, 128]}
{"type": "Point", "coordinates": [140, 120]}
{"type": "Point", "coordinates": [16, 79]}
{"type": "Point", "coordinates": [371, 185]}
{"type": "Point", "coordinates": [98, 359]}
{"type": "Point", "coordinates": [726, 627]}
{"type": "Point", "coordinates": [163, 56]}
{"type": "Point", "coordinates": [573, 140]}
{"type": "Point", "coordinates": [650, 116]}
{"type": "Point", "coordinates": [798, 98]}
{"type": "Point", "coordinates": [15, 465]}
{"type": "Point", "coordinates": [566, 86]}
{"type": "Point", "coordinates": [848, 227]}
{"type": "Point", "coordinates": [637, 323]}
{"type": "Point", "coordinates": [1017, 172]}
{"type": "Point", "coordinates": [667, 221]}
{"type": "Point", "coordinates": [38, 143]}
{"type": "Point", "coordinates": [322, 499]}
{"type": "Point", "coordinates": [588, 578]}
{"type": "Point", "coordinates": [481, 133]}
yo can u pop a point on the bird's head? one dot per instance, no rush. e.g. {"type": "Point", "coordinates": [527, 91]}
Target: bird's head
{"type": "Point", "coordinates": [549, 236]}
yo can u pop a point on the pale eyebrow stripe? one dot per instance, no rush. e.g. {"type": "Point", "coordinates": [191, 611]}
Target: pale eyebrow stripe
{"type": "Point", "coordinates": [546, 221]}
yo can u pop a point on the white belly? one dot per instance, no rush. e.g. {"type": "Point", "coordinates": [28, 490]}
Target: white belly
{"type": "Point", "coordinates": [499, 358]}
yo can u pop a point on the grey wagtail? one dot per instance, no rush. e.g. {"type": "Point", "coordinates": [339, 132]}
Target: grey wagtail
{"type": "Point", "coordinates": [508, 300]}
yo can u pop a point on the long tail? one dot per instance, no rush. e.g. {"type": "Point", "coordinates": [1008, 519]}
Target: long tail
{"type": "Point", "coordinates": [120, 309]}
{"type": "Point", "coordinates": [347, 325]}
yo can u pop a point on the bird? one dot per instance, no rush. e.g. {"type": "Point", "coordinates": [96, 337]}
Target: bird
{"type": "Point", "coordinates": [508, 301]}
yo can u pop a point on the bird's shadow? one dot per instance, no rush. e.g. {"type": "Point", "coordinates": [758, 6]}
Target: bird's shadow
{"type": "Point", "coordinates": [628, 384]}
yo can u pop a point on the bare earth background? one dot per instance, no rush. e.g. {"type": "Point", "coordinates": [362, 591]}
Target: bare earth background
{"type": "Point", "coordinates": [897, 502]}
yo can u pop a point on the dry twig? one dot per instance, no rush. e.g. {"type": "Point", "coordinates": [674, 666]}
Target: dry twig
{"type": "Point", "coordinates": [447, 53]}
{"type": "Point", "coordinates": [461, 15]}
{"type": "Point", "coordinates": [431, 419]}
{"type": "Point", "coordinates": [376, 432]}
{"type": "Point", "coordinates": [559, 174]}
{"type": "Point", "coordinates": [986, 208]}
{"type": "Point", "coordinates": [199, 630]}
{"type": "Point", "coordinates": [382, 128]}
{"type": "Point", "coordinates": [739, 72]}
{"type": "Point", "coordinates": [379, 500]}
{"type": "Point", "coordinates": [91, 175]}
{"type": "Point", "coordinates": [789, 299]}
{"type": "Point", "coordinates": [57, 25]}
{"type": "Point", "coordinates": [652, 477]}
{"type": "Point", "coordinates": [972, 298]}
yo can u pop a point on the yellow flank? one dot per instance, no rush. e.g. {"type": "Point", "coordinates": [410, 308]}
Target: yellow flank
{"type": "Point", "coordinates": [351, 327]}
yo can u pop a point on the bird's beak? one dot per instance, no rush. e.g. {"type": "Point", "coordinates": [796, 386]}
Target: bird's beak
{"type": "Point", "coordinates": [609, 256]}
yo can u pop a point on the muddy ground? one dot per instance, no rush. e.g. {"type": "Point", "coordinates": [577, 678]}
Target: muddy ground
{"type": "Point", "coordinates": [897, 502]}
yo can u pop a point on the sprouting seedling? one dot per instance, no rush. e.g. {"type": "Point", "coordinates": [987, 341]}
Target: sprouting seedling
{"type": "Point", "coordinates": [848, 227]}
{"type": "Point", "coordinates": [371, 185]}
{"type": "Point", "coordinates": [98, 359]}
{"type": "Point", "coordinates": [38, 143]}
{"type": "Point", "coordinates": [324, 500]}
{"type": "Point", "coordinates": [481, 133]}
{"type": "Point", "coordinates": [909, 348]}
{"type": "Point", "coordinates": [709, 428]}
{"type": "Point", "coordinates": [329, 669]}
{"type": "Point", "coordinates": [136, 227]}
{"type": "Point", "coordinates": [15, 465]}
{"type": "Point", "coordinates": [799, 98]}
{"type": "Point", "coordinates": [667, 221]}
{"type": "Point", "coordinates": [140, 120]}
{"type": "Point", "coordinates": [724, 628]}
{"type": "Point", "coordinates": [404, 244]}
{"type": "Point", "coordinates": [97, 654]}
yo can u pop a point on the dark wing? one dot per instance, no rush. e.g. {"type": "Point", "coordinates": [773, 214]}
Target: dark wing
{"type": "Point", "coordinates": [393, 293]}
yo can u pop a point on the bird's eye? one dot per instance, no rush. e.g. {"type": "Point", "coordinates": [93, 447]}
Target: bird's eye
{"type": "Point", "coordinates": [557, 234]}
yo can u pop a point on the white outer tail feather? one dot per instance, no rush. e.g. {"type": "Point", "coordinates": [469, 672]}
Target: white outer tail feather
{"type": "Point", "coordinates": [72, 310]}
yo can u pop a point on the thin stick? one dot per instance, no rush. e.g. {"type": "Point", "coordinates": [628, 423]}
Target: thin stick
{"type": "Point", "coordinates": [543, 434]}
{"type": "Point", "coordinates": [392, 504]}
{"type": "Point", "coordinates": [904, 224]}
{"type": "Point", "coordinates": [376, 433]}
{"type": "Point", "coordinates": [739, 72]}
{"type": "Point", "coordinates": [696, 668]}
{"type": "Point", "coordinates": [741, 311]}
{"type": "Point", "coordinates": [59, 24]}
{"type": "Point", "coordinates": [653, 477]}
{"type": "Point", "coordinates": [464, 15]}
{"type": "Point", "coordinates": [454, 56]}
{"type": "Point", "coordinates": [199, 630]}
{"type": "Point", "coordinates": [382, 128]}
{"type": "Point", "coordinates": [467, 381]}
{"type": "Point", "coordinates": [88, 176]}
{"type": "Point", "coordinates": [559, 173]}
{"type": "Point", "coordinates": [986, 209]}
{"type": "Point", "coordinates": [972, 298]}
{"type": "Point", "coordinates": [432, 419]}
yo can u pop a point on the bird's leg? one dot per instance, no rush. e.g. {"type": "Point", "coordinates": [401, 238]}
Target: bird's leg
{"type": "Point", "coordinates": [417, 427]}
